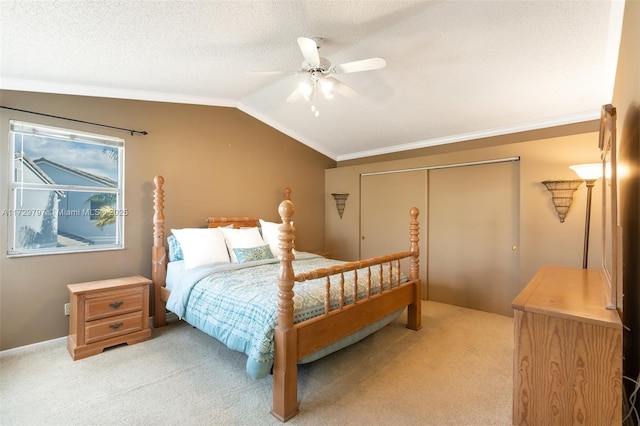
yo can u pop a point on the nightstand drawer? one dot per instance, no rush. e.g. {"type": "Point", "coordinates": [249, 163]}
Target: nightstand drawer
{"type": "Point", "coordinates": [113, 326]}
{"type": "Point", "coordinates": [113, 304]}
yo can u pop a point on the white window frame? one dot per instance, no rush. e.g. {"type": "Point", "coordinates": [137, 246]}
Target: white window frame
{"type": "Point", "coordinates": [18, 186]}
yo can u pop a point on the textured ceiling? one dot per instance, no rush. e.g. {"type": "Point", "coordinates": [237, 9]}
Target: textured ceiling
{"type": "Point", "coordinates": [456, 70]}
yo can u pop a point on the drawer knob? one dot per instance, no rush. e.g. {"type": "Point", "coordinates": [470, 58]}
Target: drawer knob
{"type": "Point", "coordinates": [115, 305]}
{"type": "Point", "coordinates": [116, 325]}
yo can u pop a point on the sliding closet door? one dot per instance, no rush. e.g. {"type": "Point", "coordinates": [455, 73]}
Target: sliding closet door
{"type": "Point", "coordinates": [473, 236]}
{"type": "Point", "coordinates": [385, 202]}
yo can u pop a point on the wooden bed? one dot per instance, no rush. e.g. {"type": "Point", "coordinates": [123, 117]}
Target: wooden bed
{"type": "Point", "coordinates": [295, 341]}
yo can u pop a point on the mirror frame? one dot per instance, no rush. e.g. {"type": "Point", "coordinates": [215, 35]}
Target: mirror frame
{"type": "Point", "coordinates": [610, 248]}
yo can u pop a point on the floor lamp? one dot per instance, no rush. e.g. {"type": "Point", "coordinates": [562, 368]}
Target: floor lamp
{"type": "Point", "coordinates": [589, 173]}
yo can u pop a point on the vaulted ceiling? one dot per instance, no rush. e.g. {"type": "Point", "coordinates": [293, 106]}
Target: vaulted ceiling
{"type": "Point", "coordinates": [456, 70]}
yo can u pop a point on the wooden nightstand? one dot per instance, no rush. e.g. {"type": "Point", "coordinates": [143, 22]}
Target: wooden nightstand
{"type": "Point", "coordinates": [107, 313]}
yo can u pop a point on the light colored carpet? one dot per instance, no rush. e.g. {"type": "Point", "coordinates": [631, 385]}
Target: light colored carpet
{"type": "Point", "coordinates": [457, 370]}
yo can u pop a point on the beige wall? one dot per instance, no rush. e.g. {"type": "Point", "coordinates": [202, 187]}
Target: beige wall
{"type": "Point", "coordinates": [545, 154]}
{"type": "Point", "coordinates": [543, 239]}
{"type": "Point", "coordinates": [216, 161]}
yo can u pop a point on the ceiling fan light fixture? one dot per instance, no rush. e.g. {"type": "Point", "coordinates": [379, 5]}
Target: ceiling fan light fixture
{"type": "Point", "coordinates": [327, 88]}
{"type": "Point", "coordinates": [319, 72]}
{"type": "Point", "coordinates": [307, 89]}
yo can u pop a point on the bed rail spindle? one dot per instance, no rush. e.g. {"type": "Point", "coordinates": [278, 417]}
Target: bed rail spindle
{"type": "Point", "coordinates": [341, 296]}
{"type": "Point", "coordinates": [355, 286]}
{"type": "Point", "coordinates": [327, 295]}
{"type": "Point", "coordinates": [393, 266]}
{"type": "Point", "coordinates": [368, 282]}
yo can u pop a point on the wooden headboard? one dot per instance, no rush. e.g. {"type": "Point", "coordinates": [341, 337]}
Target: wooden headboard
{"type": "Point", "coordinates": [159, 249]}
{"type": "Point", "coordinates": [237, 222]}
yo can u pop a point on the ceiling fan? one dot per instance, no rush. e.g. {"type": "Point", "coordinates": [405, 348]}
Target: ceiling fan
{"type": "Point", "coordinates": [319, 71]}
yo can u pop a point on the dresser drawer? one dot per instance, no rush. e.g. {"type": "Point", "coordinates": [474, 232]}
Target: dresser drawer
{"type": "Point", "coordinates": [113, 326]}
{"type": "Point", "coordinates": [113, 304]}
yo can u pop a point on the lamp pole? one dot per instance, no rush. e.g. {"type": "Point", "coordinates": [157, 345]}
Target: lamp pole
{"type": "Point", "coordinates": [587, 220]}
{"type": "Point", "coordinates": [589, 173]}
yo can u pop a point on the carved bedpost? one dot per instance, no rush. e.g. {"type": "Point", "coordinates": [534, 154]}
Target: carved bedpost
{"type": "Point", "coordinates": [414, 312]}
{"type": "Point", "coordinates": [285, 368]}
{"type": "Point", "coordinates": [158, 254]}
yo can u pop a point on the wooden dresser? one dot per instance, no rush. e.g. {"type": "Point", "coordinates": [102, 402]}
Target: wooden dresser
{"type": "Point", "coordinates": [568, 351]}
{"type": "Point", "coordinates": [107, 313]}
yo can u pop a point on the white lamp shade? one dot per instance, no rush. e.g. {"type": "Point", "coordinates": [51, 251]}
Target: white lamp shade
{"type": "Point", "coordinates": [327, 88]}
{"type": "Point", "coordinates": [589, 171]}
{"type": "Point", "coordinates": [307, 89]}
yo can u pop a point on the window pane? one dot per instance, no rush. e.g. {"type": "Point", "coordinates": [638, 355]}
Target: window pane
{"type": "Point", "coordinates": [50, 160]}
{"type": "Point", "coordinates": [67, 191]}
{"type": "Point", "coordinates": [64, 219]}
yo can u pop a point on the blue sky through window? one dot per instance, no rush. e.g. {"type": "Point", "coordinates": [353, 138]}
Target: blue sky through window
{"type": "Point", "coordinates": [99, 160]}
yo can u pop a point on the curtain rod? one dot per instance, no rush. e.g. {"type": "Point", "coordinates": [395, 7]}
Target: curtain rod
{"type": "Point", "coordinates": [445, 166]}
{"type": "Point", "coordinates": [139, 132]}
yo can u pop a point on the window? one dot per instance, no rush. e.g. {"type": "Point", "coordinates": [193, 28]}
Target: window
{"type": "Point", "coordinates": [66, 191]}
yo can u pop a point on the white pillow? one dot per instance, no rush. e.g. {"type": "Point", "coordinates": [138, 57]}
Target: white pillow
{"type": "Point", "coordinates": [241, 238]}
{"type": "Point", "coordinates": [201, 246]}
{"type": "Point", "coordinates": [270, 235]}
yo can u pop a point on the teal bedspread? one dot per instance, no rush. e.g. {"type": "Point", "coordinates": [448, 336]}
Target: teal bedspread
{"type": "Point", "coordinates": [237, 304]}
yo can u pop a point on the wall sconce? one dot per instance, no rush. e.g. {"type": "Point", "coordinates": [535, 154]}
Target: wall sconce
{"type": "Point", "coordinates": [341, 200]}
{"type": "Point", "coordinates": [589, 173]}
{"type": "Point", "coordinates": [562, 194]}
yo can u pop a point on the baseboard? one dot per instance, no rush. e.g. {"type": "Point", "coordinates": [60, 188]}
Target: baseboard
{"type": "Point", "coordinates": [21, 350]}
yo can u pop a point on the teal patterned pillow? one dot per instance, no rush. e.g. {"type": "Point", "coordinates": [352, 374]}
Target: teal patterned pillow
{"type": "Point", "coordinates": [253, 253]}
{"type": "Point", "coordinates": [175, 250]}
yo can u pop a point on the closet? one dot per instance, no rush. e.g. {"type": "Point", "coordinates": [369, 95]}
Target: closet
{"type": "Point", "coordinates": [469, 228]}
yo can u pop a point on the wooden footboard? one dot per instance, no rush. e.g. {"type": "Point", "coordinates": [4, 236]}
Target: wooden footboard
{"type": "Point", "coordinates": [292, 341]}
{"type": "Point", "coordinates": [295, 341]}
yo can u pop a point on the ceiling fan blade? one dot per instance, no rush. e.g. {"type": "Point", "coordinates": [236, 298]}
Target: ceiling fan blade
{"type": "Point", "coordinates": [343, 89]}
{"type": "Point", "coordinates": [362, 65]}
{"type": "Point", "coordinates": [309, 50]}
